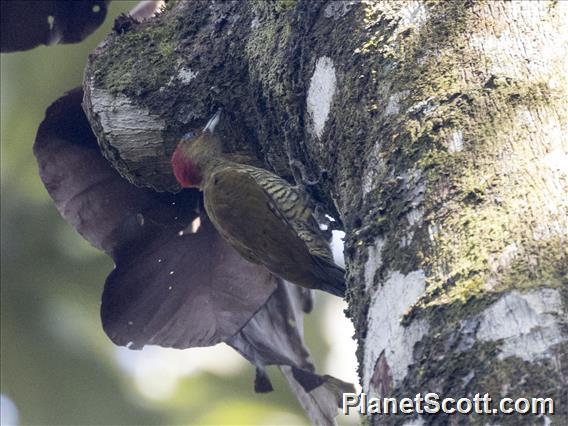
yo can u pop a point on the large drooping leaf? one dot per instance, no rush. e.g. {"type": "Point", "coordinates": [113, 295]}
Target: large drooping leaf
{"type": "Point", "coordinates": [26, 24]}
{"type": "Point", "coordinates": [274, 336]}
{"type": "Point", "coordinates": [182, 291]}
{"type": "Point", "coordinates": [167, 289]}
{"type": "Point", "coordinates": [171, 286]}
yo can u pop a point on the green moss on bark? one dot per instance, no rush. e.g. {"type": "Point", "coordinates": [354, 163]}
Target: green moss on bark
{"type": "Point", "coordinates": [141, 60]}
{"type": "Point", "coordinates": [438, 104]}
{"type": "Point", "coordinates": [474, 242]}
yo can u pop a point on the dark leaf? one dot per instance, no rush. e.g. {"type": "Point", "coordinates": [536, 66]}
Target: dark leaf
{"type": "Point", "coordinates": [212, 292]}
{"type": "Point", "coordinates": [274, 336]}
{"type": "Point", "coordinates": [26, 24]}
{"type": "Point", "coordinates": [213, 295]}
{"type": "Point", "coordinates": [262, 383]}
{"type": "Point", "coordinates": [319, 403]}
{"type": "Point", "coordinates": [308, 380]}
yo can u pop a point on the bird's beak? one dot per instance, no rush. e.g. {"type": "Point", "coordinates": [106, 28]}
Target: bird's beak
{"type": "Point", "coordinates": [212, 123]}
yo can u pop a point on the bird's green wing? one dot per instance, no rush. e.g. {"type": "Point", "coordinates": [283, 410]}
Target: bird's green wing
{"type": "Point", "coordinates": [251, 217]}
{"type": "Point", "coordinates": [296, 209]}
{"type": "Point", "coordinates": [264, 219]}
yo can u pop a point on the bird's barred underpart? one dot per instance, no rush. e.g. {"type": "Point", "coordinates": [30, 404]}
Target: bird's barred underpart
{"type": "Point", "coordinates": [283, 193]}
{"type": "Point", "coordinates": [299, 215]}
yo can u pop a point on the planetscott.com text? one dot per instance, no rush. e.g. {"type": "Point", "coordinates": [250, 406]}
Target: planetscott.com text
{"type": "Point", "coordinates": [432, 403]}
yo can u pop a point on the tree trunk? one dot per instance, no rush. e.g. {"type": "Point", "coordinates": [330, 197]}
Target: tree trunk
{"type": "Point", "coordinates": [434, 132]}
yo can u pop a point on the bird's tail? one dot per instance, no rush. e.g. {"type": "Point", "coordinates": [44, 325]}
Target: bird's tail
{"type": "Point", "coordinates": [331, 277]}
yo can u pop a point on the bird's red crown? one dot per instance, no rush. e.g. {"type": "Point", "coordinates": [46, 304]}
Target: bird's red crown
{"type": "Point", "coordinates": [185, 170]}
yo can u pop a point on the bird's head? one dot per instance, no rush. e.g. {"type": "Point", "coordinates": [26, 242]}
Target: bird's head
{"type": "Point", "coordinates": [195, 153]}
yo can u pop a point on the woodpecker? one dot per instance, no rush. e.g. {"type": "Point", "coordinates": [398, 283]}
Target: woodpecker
{"type": "Point", "coordinates": [267, 220]}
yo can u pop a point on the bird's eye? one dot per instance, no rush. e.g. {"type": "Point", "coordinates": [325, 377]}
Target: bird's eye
{"type": "Point", "coordinates": [189, 136]}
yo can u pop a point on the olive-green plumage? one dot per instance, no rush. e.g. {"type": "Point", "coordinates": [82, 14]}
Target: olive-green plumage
{"type": "Point", "coordinates": [267, 220]}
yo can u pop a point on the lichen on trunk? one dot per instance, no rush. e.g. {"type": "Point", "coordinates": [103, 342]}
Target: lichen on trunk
{"type": "Point", "coordinates": [465, 205]}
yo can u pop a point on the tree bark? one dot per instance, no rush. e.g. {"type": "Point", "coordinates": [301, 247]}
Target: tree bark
{"type": "Point", "coordinates": [434, 132]}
